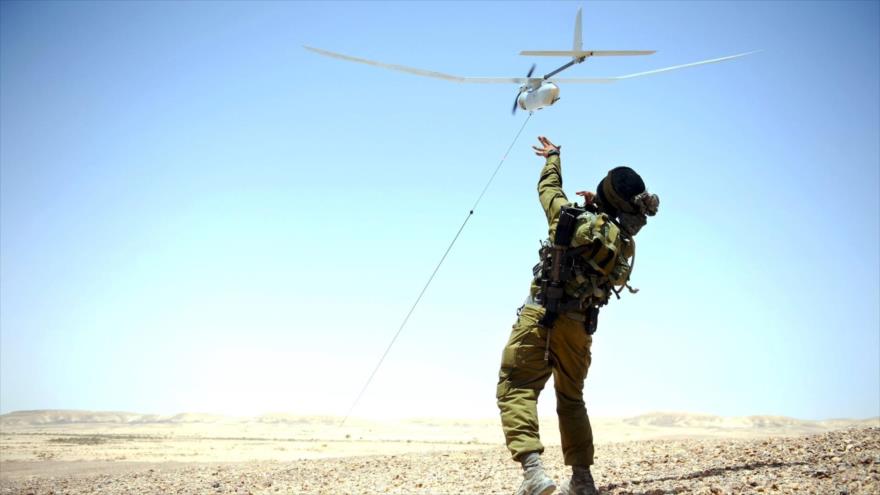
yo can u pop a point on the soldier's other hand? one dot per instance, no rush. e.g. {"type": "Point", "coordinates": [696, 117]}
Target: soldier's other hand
{"type": "Point", "coordinates": [588, 197]}
{"type": "Point", "coordinates": [546, 148]}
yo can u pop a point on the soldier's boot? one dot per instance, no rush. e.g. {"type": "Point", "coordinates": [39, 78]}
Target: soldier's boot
{"type": "Point", "coordinates": [535, 481]}
{"type": "Point", "coordinates": [580, 483]}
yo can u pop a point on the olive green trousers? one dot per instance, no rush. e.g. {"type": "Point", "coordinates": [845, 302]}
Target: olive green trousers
{"type": "Point", "coordinates": [524, 373]}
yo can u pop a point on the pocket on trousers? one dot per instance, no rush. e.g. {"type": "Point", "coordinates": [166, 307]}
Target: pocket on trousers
{"type": "Point", "coordinates": [508, 357]}
{"type": "Point", "coordinates": [529, 353]}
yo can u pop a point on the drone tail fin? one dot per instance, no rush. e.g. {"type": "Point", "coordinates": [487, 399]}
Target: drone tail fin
{"type": "Point", "coordinates": [578, 35]}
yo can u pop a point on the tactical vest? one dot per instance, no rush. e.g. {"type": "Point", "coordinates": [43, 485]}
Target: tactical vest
{"type": "Point", "coordinates": [589, 258]}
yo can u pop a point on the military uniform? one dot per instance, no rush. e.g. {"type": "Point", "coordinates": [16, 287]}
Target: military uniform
{"type": "Point", "coordinates": [561, 348]}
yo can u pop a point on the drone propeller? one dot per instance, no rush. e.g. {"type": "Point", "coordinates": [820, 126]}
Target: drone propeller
{"type": "Point", "coordinates": [516, 100]}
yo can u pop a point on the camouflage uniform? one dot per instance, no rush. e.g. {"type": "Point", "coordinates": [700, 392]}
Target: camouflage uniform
{"type": "Point", "coordinates": [524, 370]}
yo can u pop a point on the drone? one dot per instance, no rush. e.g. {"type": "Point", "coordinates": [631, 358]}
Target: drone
{"type": "Point", "coordinates": [536, 93]}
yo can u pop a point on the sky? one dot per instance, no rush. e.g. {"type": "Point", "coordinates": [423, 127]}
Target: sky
{"type": "Point", "coordinates": [197, 214]}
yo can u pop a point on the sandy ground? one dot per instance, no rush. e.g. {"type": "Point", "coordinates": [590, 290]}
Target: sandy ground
{"type": "Point", "coordinates": [75, 452]}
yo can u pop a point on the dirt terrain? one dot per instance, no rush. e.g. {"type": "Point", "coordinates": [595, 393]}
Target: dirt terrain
{"type": "Point", "coordinates": [74, 453]}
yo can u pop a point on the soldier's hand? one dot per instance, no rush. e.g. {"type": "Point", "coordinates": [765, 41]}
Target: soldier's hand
{"type": "Point", "coordinates": [546, 148]}
{"type": "Point", "coordinates": [588, 197]}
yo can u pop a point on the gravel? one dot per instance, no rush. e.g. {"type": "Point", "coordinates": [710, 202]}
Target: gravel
{"type": "Point", "coordinates": [842, 462]}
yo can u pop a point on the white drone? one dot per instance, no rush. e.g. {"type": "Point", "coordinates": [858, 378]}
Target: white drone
{"type": "Point", "coordinates": [536, 93]}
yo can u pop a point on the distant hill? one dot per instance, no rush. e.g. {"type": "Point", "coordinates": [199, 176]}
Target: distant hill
{"type": "Point", "coordinates": [62, 417]}
{"type": "Point", "coordinates": [708, 421]}
{"type": "Point", "coordinates": [671, 420]}
{"type": "Point", "coordinates": [59, 417]}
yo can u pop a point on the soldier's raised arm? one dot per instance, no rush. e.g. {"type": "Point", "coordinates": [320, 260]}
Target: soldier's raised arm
{"type": "Point", "coordinates": [550, 184]}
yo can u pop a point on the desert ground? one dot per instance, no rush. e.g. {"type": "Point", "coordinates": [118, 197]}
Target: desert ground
{"type": "Point", "coordinates": [78, 452]}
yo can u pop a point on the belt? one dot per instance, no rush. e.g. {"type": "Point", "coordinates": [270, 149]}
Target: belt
{"type": "Point", "coordinates": [572, 315]}
{"type": "Point", "coordinates": [576, 316]}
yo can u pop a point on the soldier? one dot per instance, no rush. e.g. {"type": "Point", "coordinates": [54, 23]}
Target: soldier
{"type": "Point", "coordinates": [588, 257]}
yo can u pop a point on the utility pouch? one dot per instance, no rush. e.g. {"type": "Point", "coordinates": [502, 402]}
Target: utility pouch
{"type": "Point", "coordinates": [592, 321]}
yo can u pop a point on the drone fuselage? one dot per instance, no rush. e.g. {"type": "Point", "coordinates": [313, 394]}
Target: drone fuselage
{"type": "Point", "coordinates": [536, 97]}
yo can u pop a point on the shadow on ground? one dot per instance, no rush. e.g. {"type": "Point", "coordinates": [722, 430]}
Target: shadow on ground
{"type": "Point", "coordinates": [705, 473]}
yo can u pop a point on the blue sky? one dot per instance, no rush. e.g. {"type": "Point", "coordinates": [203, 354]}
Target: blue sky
{"type": "Point", "coordinates": [199, 215]}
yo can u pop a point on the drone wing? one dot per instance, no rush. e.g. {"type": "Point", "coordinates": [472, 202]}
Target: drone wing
{"type": "Point", "coordinates": [423, 72]}
{"type": "Point", "coordinates": [586, 53]}
{"type": "Point", "coordinates": [647, 73]}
